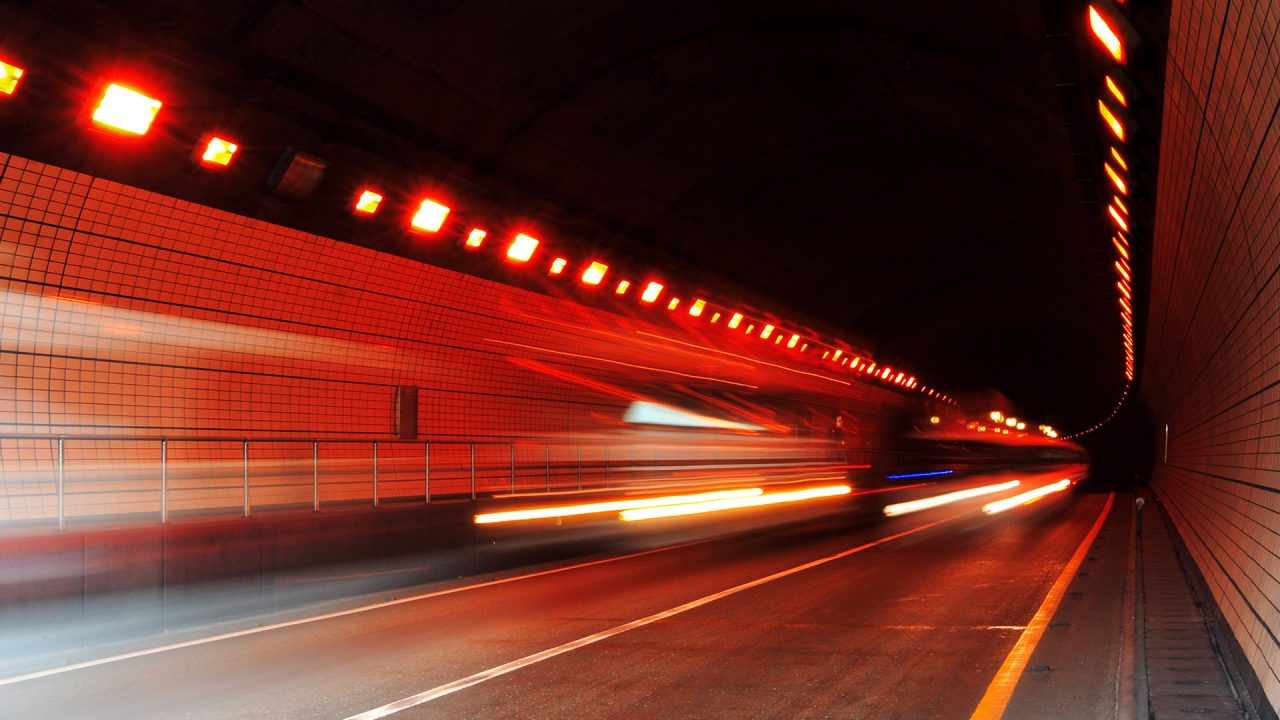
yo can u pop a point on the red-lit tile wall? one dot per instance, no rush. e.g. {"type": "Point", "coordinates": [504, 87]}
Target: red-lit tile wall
{"type": "Point", "coordinates": [1213, 350]}
{"type": "Point", "coordinates": [127, 312]}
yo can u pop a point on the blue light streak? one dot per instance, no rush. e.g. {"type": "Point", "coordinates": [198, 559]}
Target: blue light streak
{"type": "Point", "coordinates": [918, 475]}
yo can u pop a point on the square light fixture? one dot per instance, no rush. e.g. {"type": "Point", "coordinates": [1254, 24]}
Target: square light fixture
{"type": "Point", "coordinates": [126, 111]}
{"type": "Point", "coordinates": [367, 201]}
{"type": "Point", "coordinates": [218, 152]}
{"type": "Point", "coordinates": [522, 248]}
{"type": "Point", "coordinates": [430, 216]}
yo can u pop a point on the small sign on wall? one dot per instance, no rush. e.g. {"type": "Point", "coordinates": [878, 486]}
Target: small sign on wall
{"type": "Point", "coordinates": [407, 412]}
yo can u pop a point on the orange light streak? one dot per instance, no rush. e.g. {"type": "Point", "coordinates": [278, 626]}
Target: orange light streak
{"type": "Point", "coordinates": [561, 511]}
{"type": "Point", "coordinates": [1123, 271]}
{"type": "Point", "coordinates": [1025, 498]}
{"type": "Point", "coordinates": [1124, 253]}
{"type": "Point", "coordinates": [696, 508]}
{"type": "Point", "coordinates": [911, 506]}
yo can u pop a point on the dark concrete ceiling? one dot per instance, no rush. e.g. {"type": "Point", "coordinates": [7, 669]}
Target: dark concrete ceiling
{"type": "Point", "coordinates": [901, 171]}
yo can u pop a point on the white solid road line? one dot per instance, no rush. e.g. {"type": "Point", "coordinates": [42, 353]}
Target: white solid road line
{"type": "Point", "coordinates": [476, 679]}
{"type": "Point", "coordinates": [327, 616]}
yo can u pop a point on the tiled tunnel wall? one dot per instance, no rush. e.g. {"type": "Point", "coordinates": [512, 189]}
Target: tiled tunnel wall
{"type": "Point", "coordinates": [1212, 375]}
{"type": "Point", "coordinates": [127, 312]}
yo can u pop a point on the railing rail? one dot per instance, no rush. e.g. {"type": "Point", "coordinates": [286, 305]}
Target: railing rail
{"type": "Point", "coordinates": [102, 476]}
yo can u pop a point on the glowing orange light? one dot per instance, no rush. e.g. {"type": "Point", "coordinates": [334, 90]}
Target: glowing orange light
{"type": "Point", "coordinates": [9, 77]}
{"type": "Point", "coordinates": [430, 216]}
{"type": "Point", "coordinates": [1124, 304]}
{"type": "Point", "coordinates": [560, 511]}
{"type": "Point", "coordinates": [1120, 204]}
{"type": "Point", "coordinates": [594, 274]}
{"type": "Point", "coordinates": [1115, 178]}
{"type": "Point", "coordinates": [557, 266]}
{"type": "Point", "coordinates": [804, 347]}
{"type": "Point", "coordinates": [1115, 155]}
{"type": "Point", "coordinates": [715, 318]}
{"type": "Point", "coordinates": [675, 303]}
{"type": "Point", "coordinates": [651, 292]}
{"type": "Point", "coordinates": [751, 328]}
{"type": "Point", "coordinates": [1117, 128]}
{"type": "Point", "coordinates": [1115, 91]}
{"type": "Point", "coordinates": [735, 503]}
{"type": "Point", "coordinates": [778, 339]}
{"type": "Point", "coordinates": [125, 110]}
{"type": "Point", "coordinates": [837, 354]}
{"type": "Point", "coordinates": [1124, 289]}
{"type": "Point", "coordinates": [623, 286]}
{"type": "Point", "coordinates": [367, 202]}
{"type": "Point", "coordinates": [522, 248]}
{"type": "Point", "coordinates": [219, 152]}
{"type": "Point", "coordinates": [1106, 34]}
{"type": "Point", "coordinates": [735, 320]}
{"type": "Point", "coordinates": [1010, 421]}
{"type": "Point", "coordinates": [795, 340]}
{"type": "Point", "coordinates": [475, 238]}
{"type": "Point", "coordinates": [697, 307]}
{"type": "Point", "coordinates": [766, 331]}
{"type": "Point", "coordinates": [911, 506]}
{"type": "Point", "coordinates": [1120, 248]}
{"type": "Point", "coordinates": [1118, 218]}
{"type": "Point", "coordinates": [935, 420]}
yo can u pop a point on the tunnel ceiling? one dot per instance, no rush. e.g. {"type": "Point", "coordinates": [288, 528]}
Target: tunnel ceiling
{"type": "Point", "coordinates": [900, 171]}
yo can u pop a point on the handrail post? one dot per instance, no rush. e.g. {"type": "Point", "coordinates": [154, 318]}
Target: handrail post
{"type": "Point", "coordinates": [473, 471]}
{"type": "Point", "coordinates": [375, 473]}
{"type": "Point", "coordinates": [547, 450]}
{"type": "Point", "coordinates": [164, 480]}
{"type": "Point", "coordinates": [315, 475]}
{"type": "Point", "coordinates": [245, 445]}
{"type": "Point", "coordinates": [62, 516]}
{"type": "Point", "coordinates": [513, 468]}
{"type": "Point", "coordinates": [426, 473]}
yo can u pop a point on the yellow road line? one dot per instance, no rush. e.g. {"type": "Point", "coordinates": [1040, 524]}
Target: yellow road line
{"type": "Point", "coordinates": [996, 699]}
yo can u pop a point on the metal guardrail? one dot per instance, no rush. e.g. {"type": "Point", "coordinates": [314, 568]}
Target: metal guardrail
{"type": "Point", "coordinates": [469, 480]}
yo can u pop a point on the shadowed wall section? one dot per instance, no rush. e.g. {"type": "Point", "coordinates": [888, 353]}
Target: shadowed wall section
{"type": "Point", "coordinates": [1212, 377]}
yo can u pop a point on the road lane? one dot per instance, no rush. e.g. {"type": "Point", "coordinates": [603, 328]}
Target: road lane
{"type": "Point", "coordinates": [941, 602]}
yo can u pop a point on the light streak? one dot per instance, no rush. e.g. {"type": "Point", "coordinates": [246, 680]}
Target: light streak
{"type": "Point", "coordinates": [695, 508]}
{"type": "Point", "coordinates": [911, 506]}
{"type": "Point", "coordinates": [560, 511]}
{"type": "Point", "coordinates": [1025, 498]}
{"type": "Point", "coordinates": [916, 475]}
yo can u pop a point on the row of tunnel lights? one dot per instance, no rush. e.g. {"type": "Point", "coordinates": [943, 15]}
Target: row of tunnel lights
{"type": "Point", "coordinates": [1110, 29]}
{"type": "Point", "coordinates": [1000, 425]}
{"type": "Point", "coordinates": [127, 111]}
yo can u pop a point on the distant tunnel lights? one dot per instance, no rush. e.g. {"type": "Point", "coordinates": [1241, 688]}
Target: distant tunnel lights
{"type": "Point", "coordinates": [675, 303]}
{"type": "Point", "coordinates": [557, 266]}
{"type": "Point", "coordinates": [218, 152]}
{"type": "Point", "coordinates": [521, 249]}
{"type": "Point", "coordinates": [1115, 178]}
{"type": "Point", "coordinates": [430, 216]}
{"type": "Point", "coordinates": [767, 331]}
{"type": "Point", "coordinates": [126, 111]}
{"type": "Point", "coordinates": [594, 274]}
{"type": "Point", "coordinates": [623, 287]}
{"type": "Point", "coordinates": [475, 238]}
{"type": "Point", "coordinates": [1106, 34]}
{"type": "Point", "coordinates": [1116, 92]}
{"type": "Point", "coordinates": [1113, 123]}
{"type": "Point", "coordinates": [695, 310]}
{"type": "Point", "coordinates": [735, 320]}
{"type": "Point", "coordinates": [9, 77]}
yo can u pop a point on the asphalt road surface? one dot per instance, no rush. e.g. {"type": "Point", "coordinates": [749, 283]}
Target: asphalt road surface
{"type": "Point", "coordinates": [908, 617]}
